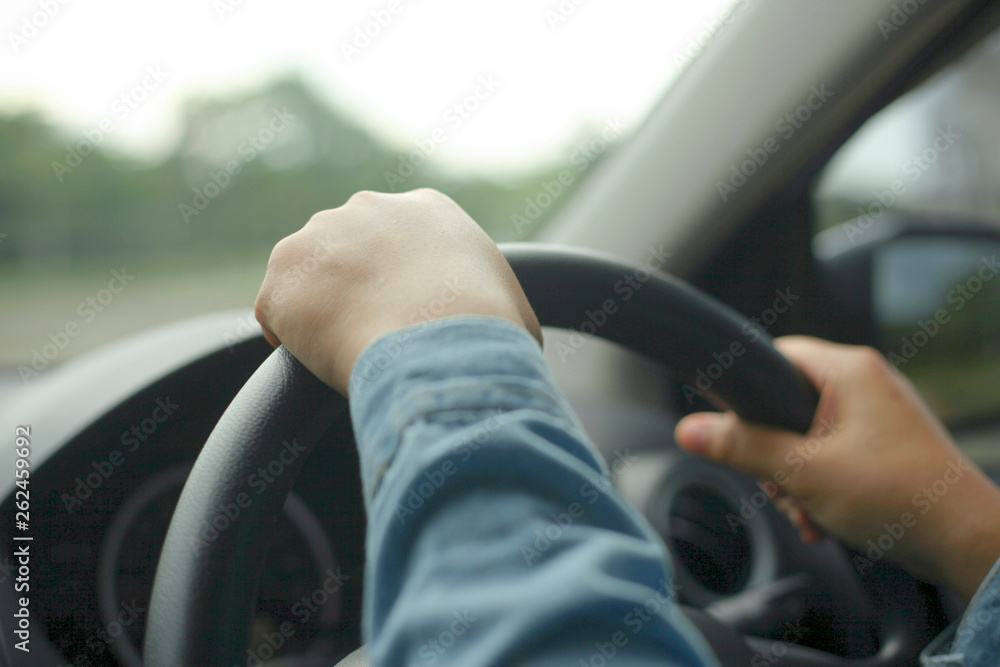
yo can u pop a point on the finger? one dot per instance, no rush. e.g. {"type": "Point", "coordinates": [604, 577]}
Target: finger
{"type": "Point", "coordinates": [753, 449]}
{"type": "Point", "coordinates": [813, 356]}
{"type": "Point", "coordinates": [727, 439]}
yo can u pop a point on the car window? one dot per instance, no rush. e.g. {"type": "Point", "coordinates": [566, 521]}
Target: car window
{"type": "Point", "coordinates": [150, 156]}
{"type": "Point", "coordinates": [934, 151]}
{"type": "Point", "coordinates": [932, 158]}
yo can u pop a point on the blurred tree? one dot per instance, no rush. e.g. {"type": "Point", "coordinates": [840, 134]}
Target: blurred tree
{"type": "Point", "coordinates": [246, 171]}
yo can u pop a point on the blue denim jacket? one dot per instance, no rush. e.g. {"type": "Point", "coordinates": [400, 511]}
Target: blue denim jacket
{"type": "Point", "coordinates": [974, 641]}
{"type": "Point", "coordinates": [495, 536]}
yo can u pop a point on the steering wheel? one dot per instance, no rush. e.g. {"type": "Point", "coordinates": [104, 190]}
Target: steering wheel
{"type": "Point", "coordinates": [206, 581]}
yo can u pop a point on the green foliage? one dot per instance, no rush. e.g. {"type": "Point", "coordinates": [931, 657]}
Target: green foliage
{"type": "Point", "coordinates": [60, 207]}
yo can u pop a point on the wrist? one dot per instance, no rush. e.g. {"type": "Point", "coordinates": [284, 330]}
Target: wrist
{"type": "Point", "coordinates": [964, 542]}
{"type": "Point", "coordinates": [361, 362]}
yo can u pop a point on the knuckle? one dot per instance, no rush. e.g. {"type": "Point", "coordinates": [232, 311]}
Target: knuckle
{"type": "Point", "coordinates": [320, 217]}
{"type": "Point", "coordinates": [288, 252]}
{"type": "Point", "coordinates": [869, 361]}
{"type": "Point", "coordinates": [280, 252]}
{"type": "Point", "coordinates": [430, 196]}
{"type": "Point", "coordinates": [364, 196]}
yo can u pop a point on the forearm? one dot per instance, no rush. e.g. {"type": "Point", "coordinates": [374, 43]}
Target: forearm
{"type": "Point", "coordinates": [491, 513]}
{"type": "Point", "coordinates": [965, 541]}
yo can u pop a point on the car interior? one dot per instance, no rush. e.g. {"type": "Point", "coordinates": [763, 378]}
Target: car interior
{"type": "Point", "coordinates": [734, 179]}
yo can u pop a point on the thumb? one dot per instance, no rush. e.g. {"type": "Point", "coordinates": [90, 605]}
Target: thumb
{"type": "Point", "coordinates": [727, 439]}
{"type": "Point", "coordinates": [761, 450]}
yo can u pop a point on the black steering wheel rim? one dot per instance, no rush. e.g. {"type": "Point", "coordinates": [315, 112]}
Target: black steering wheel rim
{"type": "Point", "coordinates": [205, 586]}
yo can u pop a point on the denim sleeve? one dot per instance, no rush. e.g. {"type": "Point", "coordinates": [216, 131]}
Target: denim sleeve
{"type": "Point", "coordinates": [495, 536]}
{"type": "Point", "coordinates": [974, 641]}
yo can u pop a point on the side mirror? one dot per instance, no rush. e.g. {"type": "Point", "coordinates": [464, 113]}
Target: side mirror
{"type": "Point", "coordinates": [927, 292]}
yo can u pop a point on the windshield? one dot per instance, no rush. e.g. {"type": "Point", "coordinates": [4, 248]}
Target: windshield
{"type": "Point", "coordinates": [153, 153]}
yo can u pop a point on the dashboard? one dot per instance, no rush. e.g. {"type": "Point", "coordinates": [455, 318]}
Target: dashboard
{"type": "Point", "coordinates": [301, 583]}
{"type": "Point", "coordinates": [104, 500]}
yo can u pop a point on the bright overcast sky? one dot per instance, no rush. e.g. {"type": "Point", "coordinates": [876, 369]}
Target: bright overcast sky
{"type": "Point", "coordinates": [608, 58]}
